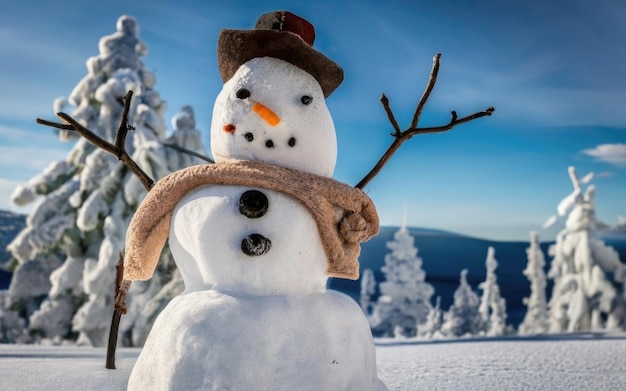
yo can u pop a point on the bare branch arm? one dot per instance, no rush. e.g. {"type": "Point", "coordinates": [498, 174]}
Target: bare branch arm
{"type": "Point", "coordinates": [189, 152]}
{"type": "Point", "coordinates": [392, 118]}
{"type": "Point", "coordinates": [401, 136]}
{"type": "Point", "coordinates": [432, 80]}
{"type": "Point", "coordinates": [407, 134]}
{"type": "Point", "coordinates": [453, 122]}
{"type": "Point", "coordinates": [122, 130]}
{"type": "Point", "coordinates": [117, 313]}
{"type": "Point", "coordinates": [116, 149]}
{"type": "Point", "coordinates": [54, 124]}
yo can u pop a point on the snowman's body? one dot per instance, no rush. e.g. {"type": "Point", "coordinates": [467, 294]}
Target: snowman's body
{"type": "Point", "coordinates": [206, 233]}
{"type": "Point", "coordinates": [212, 340]}
{"type": "Point", "coordinates": [255, 313]}
{"type": "Point", "coordinates": [265, 322]}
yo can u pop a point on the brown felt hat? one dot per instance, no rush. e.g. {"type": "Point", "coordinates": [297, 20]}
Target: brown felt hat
{"type": "Point", "coordinates": [281, 35]}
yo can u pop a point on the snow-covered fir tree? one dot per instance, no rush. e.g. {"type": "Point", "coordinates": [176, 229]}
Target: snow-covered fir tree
{"type": "Point", "coordinates": [463, 317]}
{"type": "Point", "coordinates": [431, 328]}
{"type": "Point", "coordinates": [536, 318]}
{"type": "Point", "coordinates": [492, 305]}
{"type": "Point", "coordinates": [368, 288]}
{"type": "Point", "coordinates": [404, 300]}
{"type": "Point", "coordinates": [65, 258]}
{"type": "Point", "coordinates": [588, 276]}
{"type": "Point", "coordinates": [185, 135]}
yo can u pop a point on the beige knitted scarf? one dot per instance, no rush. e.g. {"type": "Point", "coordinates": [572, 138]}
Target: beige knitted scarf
{"type": "Point", "coordinates": [345, 216]}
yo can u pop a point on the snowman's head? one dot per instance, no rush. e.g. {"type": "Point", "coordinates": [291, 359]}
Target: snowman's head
{"type": "Point", "coordinates": [273, 111]}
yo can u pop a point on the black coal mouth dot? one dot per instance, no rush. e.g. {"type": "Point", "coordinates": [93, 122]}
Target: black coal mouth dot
{"type": "Point", "coordinates": [255, 245]}
{"type": "Point", "coordinates": [249, 136]}
{"type": "Point", "coordinates": [291, 142]}
{"type": "Point", "coordinates": [269, 144]}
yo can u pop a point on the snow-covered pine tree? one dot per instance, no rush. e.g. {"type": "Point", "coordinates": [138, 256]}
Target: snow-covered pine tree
{"type": "Point", "coordinates": [368, 288]}
{"type": "Point", "coordinates": [463, 317]}
{"type": "Point", "coordinates": [431, 328]}
{"type": "Point", "coordinates": [404, 300]}
{"type": "Point", "coordinates": [65, 257]}
{"type": "Point", "coordinates": [187, 136]}
{"type": "Point", "coordinates": [536, 318]}
{"type": "Point", "coordinates": [588, 275]}
{"type": "Point", "coordinates": [492, 305]}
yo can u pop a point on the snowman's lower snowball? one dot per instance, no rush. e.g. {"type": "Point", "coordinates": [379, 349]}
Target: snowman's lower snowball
{"type": "Point", "coordinates": [212, 340]}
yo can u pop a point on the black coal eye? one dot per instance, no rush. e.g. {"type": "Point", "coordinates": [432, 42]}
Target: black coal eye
{"type": "Point", "coordinates": [306, 99]}
{"type": "Point", "coordinates": [242, 93]}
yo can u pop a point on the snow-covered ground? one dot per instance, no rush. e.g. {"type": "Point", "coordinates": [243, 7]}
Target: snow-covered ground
{"type": "Point", "coordinates": [555, 362]}
{"type": "Point", "coordinates": [583, 361]}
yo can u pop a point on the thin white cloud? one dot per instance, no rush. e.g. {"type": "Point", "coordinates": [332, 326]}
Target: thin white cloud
{"type": "Point", "coordinates": [37, 134]}
{"type": "Point", "coordinates": [9, 184]}
{"type": "Point", "coordinates": [28, 160]}
{"type": "Point", "coordinates": [19, 43]}
{"type": "Point", "coordinates": [22, 106]}
{"type": "Point", "coordinates": [23, 163]}
{"type": "Point", "coordinates": [6, 189]}
{"type": "Point", "coordinates": [26, 97]}
{"type": "Point", "coordinates": [610, 153]}
{"type": "Point", "coordinates": [521, 99]}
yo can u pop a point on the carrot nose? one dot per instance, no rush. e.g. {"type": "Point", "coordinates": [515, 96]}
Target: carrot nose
{"type": "Point", "coordinates": [268, 115]}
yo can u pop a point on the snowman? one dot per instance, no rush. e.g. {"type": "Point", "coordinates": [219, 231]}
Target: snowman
{"type": "Point", "coordinates": [256, 235]}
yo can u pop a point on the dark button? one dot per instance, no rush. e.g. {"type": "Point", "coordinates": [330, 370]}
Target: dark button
{"type": "Point", "coordinates": [253, 204]}
{"type": "Point", "coordinates": [255, 245]}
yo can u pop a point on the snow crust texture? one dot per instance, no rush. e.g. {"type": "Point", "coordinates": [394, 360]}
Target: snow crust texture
{"type": "Point", "coordinates": [552, 363]}
{"type": "Point", "coordinates": [569, 362]}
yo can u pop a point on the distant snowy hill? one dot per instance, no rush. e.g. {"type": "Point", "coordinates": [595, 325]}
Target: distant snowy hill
{"type": "Point", "coordinates": [615, 232]}
{"type": "Point", "coordinates": [10, 225]}
{"type": "Point", "coordinates": [445, 254]}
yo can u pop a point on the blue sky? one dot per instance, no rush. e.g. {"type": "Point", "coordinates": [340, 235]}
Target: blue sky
{"type": "Point", "coordinates": [555, 73]}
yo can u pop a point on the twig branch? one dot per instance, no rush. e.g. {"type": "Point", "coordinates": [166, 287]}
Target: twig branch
{"type": "Point", "coordinates": [401, 136]}
{"type": "Point", "coordinates": [54, 124]}
{"type": "Point", "coordinates": [188, 152]}
{"type": "Point", "coordinates": [122, 130]}
{"type": "Point", "coordinates": [116, 149]}
{"type": "Point", "coordinates": [119, 309]}
{"type": "Point", "coordinates": [117, 314]}
{"type": "Point", "coordinates": [434, 72]}
{"type": "Point", "coordinates": [392, 118]}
